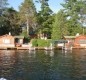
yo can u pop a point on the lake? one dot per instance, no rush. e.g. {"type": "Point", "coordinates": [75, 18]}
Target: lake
{"type": "Point", "coordinates": [43, 65]}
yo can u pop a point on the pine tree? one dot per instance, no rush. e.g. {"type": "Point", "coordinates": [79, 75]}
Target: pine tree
{"type": "Point", "coordinates": [59, 26]}
{"type": "Point", "coordinates": [74, 9]}
{"type": "Point", "coordinates": [45, 18]}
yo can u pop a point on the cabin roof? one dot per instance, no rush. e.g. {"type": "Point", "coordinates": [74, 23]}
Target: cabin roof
{"type": "Point", "coordinates": [20, 37]}
{"type": "Point", "coordinates": [5, 36]}
{"type": "Point", "coordinates": [69, 37]}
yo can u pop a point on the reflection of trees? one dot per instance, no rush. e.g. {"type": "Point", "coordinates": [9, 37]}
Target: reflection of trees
{"type": "Point", "coordinates": [71, 66]}
{"type": "Point", "coordinates": [79, 62]}
{"type": "Point", "coordinates": [48, 65]}
{"type": "Point", "coordinates": [26, 65]}
{"type": "Point", "coordinates": [23, 65]}
{"type": "Point", "coordinates": [7, 62]}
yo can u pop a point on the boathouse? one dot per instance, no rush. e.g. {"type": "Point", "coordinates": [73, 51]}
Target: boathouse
{"type": "Point", "coordinates": [80, 41]}
{"type": "Point", "coordinates": [7, 41]}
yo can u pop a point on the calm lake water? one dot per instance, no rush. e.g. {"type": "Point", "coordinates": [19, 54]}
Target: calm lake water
{"type": "Point", "coordinates": [43, 65]}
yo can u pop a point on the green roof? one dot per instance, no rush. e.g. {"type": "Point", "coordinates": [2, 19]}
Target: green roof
{"type": "Point", "coordinates": [60, 41]}
{"type": "Point", "coordinates": [20, 37]}
{"type": "Point", "coordinates": [69, 37]}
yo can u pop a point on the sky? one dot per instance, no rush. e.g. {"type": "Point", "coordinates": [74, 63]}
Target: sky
{"type": "Point", "coordinates": [54, 4]}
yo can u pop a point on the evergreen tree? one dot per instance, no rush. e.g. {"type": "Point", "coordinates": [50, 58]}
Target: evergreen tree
{"type": "Point", "coordinates": [45, 18]}
{"type": "Point", "coordinates": [59, 26]}
{"type": "Point", "coordinates": [73, 8]}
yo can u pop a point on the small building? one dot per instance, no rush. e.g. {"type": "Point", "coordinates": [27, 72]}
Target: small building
{"type": "Point", "coordinates": [70, 40]}
{"type": "Point", "coordinates": [7, 41]}
{"type": "Point", "coordinates": [80, 41]}
{"type": "Point", "coordinates": [18, 40]}
{"type": "Point", "coordinates": [59, 43]}
{"type": "Point", "coordinates": [13, 42]}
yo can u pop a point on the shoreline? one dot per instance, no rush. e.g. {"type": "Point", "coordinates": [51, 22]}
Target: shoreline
{"type": "Point", "coordinates": [36, 48]}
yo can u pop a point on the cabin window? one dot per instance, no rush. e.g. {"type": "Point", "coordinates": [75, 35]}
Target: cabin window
{"type": "Point", "coordinates": [82, 41]}
{"type": "Point", "coordinates": [7, 41]}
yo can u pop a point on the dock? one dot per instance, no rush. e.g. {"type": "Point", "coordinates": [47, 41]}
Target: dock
{"type": "Point", "coordinates": [40, 48]}
{"type": "Point", "coordinates": [18, 48]}
{"type": "Point", "coordinates": [14, 48]}
{"type": "Point", "coordinates": [22, 48]}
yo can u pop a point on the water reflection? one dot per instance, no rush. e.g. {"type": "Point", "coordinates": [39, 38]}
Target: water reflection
{"type": "Point", "coordinates": [32, 53]}
{"type": "Point", "coordinates": [43, 65]}
{"type": "Point", "coordinates": [50, 53]}
{"type": "Point", "coordinates": [7, 61]}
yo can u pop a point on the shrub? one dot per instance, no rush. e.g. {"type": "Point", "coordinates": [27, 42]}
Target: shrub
{"type": "Point", "coordinates": [34, 42]}
{"type": "Point", "coordinates": [41, 42]}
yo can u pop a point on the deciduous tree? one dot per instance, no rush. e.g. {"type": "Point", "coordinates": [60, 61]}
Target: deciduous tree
{"type": "Point", "coordinates": [27, 13]}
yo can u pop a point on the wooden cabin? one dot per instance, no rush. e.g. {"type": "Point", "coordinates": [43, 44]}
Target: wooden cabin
{"type": "Point", "coordinates": [80, 41]}
{"type": "Point", "coordinates": [13, 42]}
{"type": "Point", "coordinates": [7, 41]}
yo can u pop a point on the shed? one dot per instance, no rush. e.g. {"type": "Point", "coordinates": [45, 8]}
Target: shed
{"type": "Point", "coordinates": [70, 40]}
{"type": "Point", "coordinates": [19, 39]}
{"type": "Point", "coordinates": [80, 41]}
{"type": "Point", "coordinates": [60, 43]}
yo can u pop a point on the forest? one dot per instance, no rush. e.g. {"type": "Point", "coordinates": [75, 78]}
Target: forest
{"type": "Point", "coordinates": [69, 20]}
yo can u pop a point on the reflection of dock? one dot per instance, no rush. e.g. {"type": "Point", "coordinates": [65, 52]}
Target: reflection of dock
{"type": "Point", "coordinates": [48, 48]}
{"type": "Point", "coordinates": [66, 48]}
{"type": "Point", "coordinates": [50, 53]}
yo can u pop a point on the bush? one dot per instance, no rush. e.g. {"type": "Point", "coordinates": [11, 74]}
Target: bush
{"type": "Point", "coordinates": [41, 42]}
{"type": "Point", "coordinates": [34, 42]}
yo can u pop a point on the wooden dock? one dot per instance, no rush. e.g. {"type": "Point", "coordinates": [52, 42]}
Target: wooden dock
{"type": "Point", "coordinates": [22, 48]}
{"type": "Point", "coordinates": [38, 48]}
{"type": "Point", "coordinates": [14, 48]}
{"type": "Point", "coordinates": [17, 48]}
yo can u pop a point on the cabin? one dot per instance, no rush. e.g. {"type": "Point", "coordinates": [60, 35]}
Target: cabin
{"type": "Point", "coordinates": [7, 41]}
{"type": "Point", "coordinates": [13, 42]}
{"type": "Point", "coordinates": [80, 41]}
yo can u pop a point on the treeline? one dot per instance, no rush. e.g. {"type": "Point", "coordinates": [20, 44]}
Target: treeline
{"type": "Point", "coordinates": [28, 21]}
